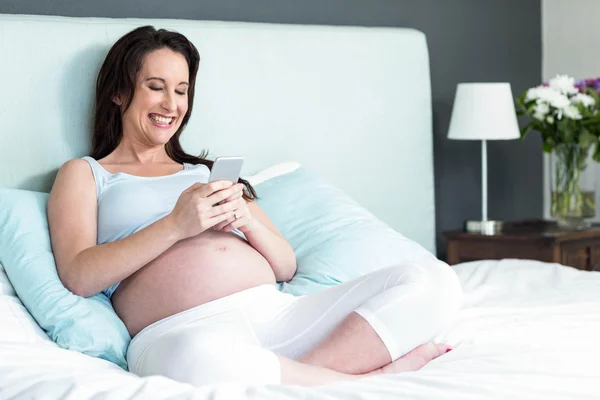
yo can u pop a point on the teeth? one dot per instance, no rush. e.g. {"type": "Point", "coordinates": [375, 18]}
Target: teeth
{"type": "Point", "coordinates": [161, 120]}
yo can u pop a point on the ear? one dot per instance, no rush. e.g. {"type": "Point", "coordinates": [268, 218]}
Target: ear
{"type": "Point", "coordinates": [117, 100]}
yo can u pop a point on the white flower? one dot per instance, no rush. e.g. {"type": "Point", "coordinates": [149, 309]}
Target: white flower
{"type": "Point", "coordinates": [550, 120]}
{"type": "Point", "coordinates": [546, 94]}
{"type": "Point", "coordinates": [572, 112]}
{"type": "Point", "coordinates": [532, 94]}
{"type": "Point", "coordinates": [559, 101]}
{"type": "Point", "coordinates": [542, 108]}
{"type": "Point", "coordinates": [559, 114]}
{"type": "Point", "coordinates": [584, 99]}
{"type": "Point", "coordinates": [540, 111]}
{"type": "Point", "coordinates": [564, 84]}
{"type": "Point", "coordinates": [539, 93]}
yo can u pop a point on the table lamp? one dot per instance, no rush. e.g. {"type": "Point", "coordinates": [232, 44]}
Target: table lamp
{"type": "Point", "coordinates": [484, 111]}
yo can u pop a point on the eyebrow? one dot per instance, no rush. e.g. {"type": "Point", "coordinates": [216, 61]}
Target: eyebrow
{"type": "Point", "coordinates": [163, 81]}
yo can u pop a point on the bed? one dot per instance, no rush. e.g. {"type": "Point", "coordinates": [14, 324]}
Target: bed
{"type": "Point", "coordinates": [353, 104]}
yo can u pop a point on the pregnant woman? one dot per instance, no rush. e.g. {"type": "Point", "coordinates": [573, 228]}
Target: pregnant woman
{"type": "Point", "coordinates": [191, 266]}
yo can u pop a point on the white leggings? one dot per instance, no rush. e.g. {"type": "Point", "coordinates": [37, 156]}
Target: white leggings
{"type": "Point", "coordinates": [236, 338]}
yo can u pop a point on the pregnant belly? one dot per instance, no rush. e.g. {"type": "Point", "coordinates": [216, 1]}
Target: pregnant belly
{"type": "Point", "coordinates": [192, 272]}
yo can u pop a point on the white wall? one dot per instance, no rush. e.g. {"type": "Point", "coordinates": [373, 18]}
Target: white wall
{"type": "Point", "coordinates": [570, 38]}
{"type": "Point", "coordinates": [571, 46]}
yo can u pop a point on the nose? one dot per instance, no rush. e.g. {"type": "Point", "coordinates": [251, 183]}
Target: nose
{"type": "Point", "coordinates": [168, 102]}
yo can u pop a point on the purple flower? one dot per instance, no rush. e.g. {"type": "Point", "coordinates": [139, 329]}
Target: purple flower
{"type": "Point", "coordinates": [592, 83]}
{"type": "Point", "coordinates": [583, 84]}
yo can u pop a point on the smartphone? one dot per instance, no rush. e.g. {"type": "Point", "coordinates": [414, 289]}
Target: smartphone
{"type": "Point", "coordinates": [226, 169]}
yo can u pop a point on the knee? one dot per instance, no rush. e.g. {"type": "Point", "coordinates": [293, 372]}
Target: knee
{"type": "Point", "coordinates": [445, 282]}
{"type": "Point", "coordinates": [425, 298]}
{"type": "Point", "coordinates": [434, 278]}
{"type": "Point", "coordinates": [444, 291]}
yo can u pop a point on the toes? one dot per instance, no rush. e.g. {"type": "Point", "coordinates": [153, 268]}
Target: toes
{"type": "Point", "coordinates": [429, 351]}
{"type": "Point", "coordinates": [442, 348]}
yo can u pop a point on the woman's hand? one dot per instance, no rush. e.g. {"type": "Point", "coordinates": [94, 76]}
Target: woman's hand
{"type": "Point", "coordinates": [261, 234]}
{"type": "Point", "coordinates": [202, 206]}
{"type": "Point", "coordinates": [242, 217]}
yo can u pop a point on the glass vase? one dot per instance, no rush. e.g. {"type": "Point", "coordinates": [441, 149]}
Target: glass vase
{"type": "Point", "coordinates": [571, 204]}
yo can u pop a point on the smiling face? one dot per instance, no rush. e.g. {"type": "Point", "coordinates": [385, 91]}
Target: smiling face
{"type": "Point", "coordinates": [160, 99]}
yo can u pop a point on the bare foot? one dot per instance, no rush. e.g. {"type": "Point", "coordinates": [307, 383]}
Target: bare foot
{"type": "Point", "coordinates": [415, 359]}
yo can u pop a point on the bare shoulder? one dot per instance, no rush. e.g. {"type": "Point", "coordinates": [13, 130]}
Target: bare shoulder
{"type": "Point", "coordinates": [74, 184]}
{"type": "Point", "coordinates": [76, 166]}
{"type": "Point", "coordinates": [74, 176]}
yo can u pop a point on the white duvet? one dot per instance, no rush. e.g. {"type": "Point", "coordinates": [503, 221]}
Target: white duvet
{"type": "Point", "coordinates": [527, 330]}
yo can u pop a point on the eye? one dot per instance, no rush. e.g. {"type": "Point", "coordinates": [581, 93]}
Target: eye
{"type": "Point", "coordinates": [156, 89]}
{"type": "Point", "coordinates": [180, 93]}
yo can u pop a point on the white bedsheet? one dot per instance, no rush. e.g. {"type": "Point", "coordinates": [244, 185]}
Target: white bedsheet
{"type": "Point", "coordinates": [527, 330]}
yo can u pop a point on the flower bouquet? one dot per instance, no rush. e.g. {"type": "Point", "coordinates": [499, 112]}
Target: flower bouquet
{"type": "Point", "coordinates": [565, 112]}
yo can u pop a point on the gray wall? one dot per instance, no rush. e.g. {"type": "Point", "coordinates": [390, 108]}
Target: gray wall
{"type": "Point", "coordinates": [469, 40]}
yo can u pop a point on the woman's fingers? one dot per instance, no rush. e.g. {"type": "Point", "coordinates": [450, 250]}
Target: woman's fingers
{"type": "Point", "coordinates": [221, 196]}
{"type": "Point", "coordinates": [207, 189]}
{"type": "Point", "coordinates": [236, 223]}
{"type": "Point", "coordinates": [223, 224]}
{"type": "Point", "coordinates": [219, 219]}
{"type": "Point", "coordinates": [233, 197]}
{"type": "Point", "coordinates": [226, 207]}
{"type": "Point", "coordinates": [239, 216]}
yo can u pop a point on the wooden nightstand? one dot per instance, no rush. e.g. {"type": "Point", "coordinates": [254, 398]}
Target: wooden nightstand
{"type": "Point", "coordinates": [533, 240]}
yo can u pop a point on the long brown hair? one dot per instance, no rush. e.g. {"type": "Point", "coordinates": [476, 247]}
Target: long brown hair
{"type": "Point", "coordinates": [118, 76]}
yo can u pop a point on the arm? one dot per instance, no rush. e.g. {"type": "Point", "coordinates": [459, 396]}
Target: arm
{"type": "Point", "coordinates": [269, 242]}
{"type": "Point", "coordinates": [265, 238]}
{"type": "Point", "coordinates": [86, 268]}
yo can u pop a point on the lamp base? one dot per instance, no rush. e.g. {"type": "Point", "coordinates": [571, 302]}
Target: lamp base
{"type": "Point", "coordinates": [484, 227]}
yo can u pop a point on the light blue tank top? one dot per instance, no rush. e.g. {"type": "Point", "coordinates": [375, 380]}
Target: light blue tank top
{"type": "Point", "coordinates": [129, 203]}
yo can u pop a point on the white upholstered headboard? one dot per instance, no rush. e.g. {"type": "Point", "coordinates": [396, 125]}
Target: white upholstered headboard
{"type": "Point", "coordinates": [351, 103]}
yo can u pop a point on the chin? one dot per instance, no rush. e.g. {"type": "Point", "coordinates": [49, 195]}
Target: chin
{"type": "Point", "coordinates": [162, 137]}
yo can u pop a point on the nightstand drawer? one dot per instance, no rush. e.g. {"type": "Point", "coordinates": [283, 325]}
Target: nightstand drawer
{"type": "Point", "coordinates": [532, 240]}
{"type": "Point", "coordinates": [583, 255]}
{"type": "Point", "coordinates": [484, 249]}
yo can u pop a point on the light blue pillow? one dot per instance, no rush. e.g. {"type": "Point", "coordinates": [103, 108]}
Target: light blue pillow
{"type": "Point", "coordinates": [334, 238]}
{"type": "Point", "coordinates": [87, 325]}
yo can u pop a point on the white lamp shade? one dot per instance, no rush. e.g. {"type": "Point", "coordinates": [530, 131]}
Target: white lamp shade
{"type": "Point", "coordinates": [483, 111]}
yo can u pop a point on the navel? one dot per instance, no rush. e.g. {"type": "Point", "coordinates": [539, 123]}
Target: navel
{"type": "Point", "coordinates": [222, 249]}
